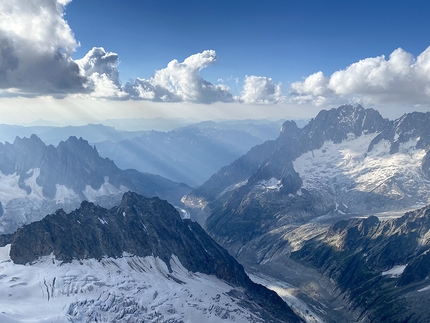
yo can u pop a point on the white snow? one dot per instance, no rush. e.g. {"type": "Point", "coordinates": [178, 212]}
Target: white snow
{"type": "Point", "coordinates": [271, 184]}
{"type": "Point", "coordinates": [286, 292]}
{"type": "Point", "coordinates": [396, 271]}
{"type": "Point", "coordinates": [9, 188]}
{"type": "Point", "coordinates": [64, 194]}
{"type": "Point", "coordinates": [424, 289]}
{"type": "Point", "coordinates": [103, 221]}
{"type": "Point", "coordinates": [105, 189]}
{"type": "Point", "coordinates": [36, 190]}
{"type": "Point", "coordinates": [132, 289]}
{"type": "Point", "coordinates": [184, 213]}
{"type": "Point", "coordinates": [348, 166]}
{"type": "Point", "coordinates": [233, 187]}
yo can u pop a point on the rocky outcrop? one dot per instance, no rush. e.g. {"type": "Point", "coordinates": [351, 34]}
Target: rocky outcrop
{"type": "Point", "coordinates": [337, 124]}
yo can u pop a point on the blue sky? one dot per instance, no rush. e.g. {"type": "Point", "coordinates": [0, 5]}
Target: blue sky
{"type": "Point", "coordinates": [284, 40]}
{"type": "Point", "coordinates": [292, 57]}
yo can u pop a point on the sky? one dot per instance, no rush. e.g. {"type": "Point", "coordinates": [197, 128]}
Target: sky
{"type": "Point", "coordinates": [85, 61]}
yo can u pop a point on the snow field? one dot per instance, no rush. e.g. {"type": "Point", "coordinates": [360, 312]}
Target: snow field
{"type": "Point", "coordinates": [348, 166]}
{"type": "Point", "coordinates": [126, 289]}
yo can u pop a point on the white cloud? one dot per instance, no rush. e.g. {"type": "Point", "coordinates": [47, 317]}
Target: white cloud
{"type": "Point", "coordinates": [313, 88]}
{"type": "Point", "coordinates": [36, 44]}
{"type": "Point", "coordinates": [399, 79]}
{"type": "Point", "coordinates": [100, 68]}
{"type": "Point", "coordinates": [181, 82]}
{"type": "Point", "coordinates": [261, 90]}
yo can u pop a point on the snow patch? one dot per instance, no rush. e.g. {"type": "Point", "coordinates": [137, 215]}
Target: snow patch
{"type": "Point", "coordinates": [105, 189]}
{"type": "Point", "coordinates": [424, 289]}
{"type": "Point", "coordinates": [271, 184]}
{"type": "Point", "coordinates": [232, 187]}
{"type": "Point", "coordinates": [103, 221]}
{"type": "Point", "coordinates": [184, 213]}
{"type": "Point", "coordinates": [287, 292]}
{"type": "Point", "coordinates": [9, 188]}
{"type": "Point", "coordinates": [36, 190]}
{"type": "Point", "coordinates": [64, 194]}
{"type": "Point", "coordinates": [394, 272]}
{"type": "Point", "coordinates": [4, 253]}
{"type": "Point", "coordinates": [405, 147]}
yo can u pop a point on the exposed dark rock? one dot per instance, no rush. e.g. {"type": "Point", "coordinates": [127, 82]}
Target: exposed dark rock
{"type": "Point", "coordinates": [5, 239]}
{"type": "Point", "coordinates": [413, 125]}
{"type": "Point", "coordinates": [355, 253]}
{"type": "Point", "coordinates": [337, 124]}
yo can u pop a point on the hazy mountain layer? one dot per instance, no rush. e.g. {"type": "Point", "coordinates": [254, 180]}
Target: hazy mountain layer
{"type": "Point", "coordinates": [190, 154]}
{"type": "Point", "coordinates": [36, 179]}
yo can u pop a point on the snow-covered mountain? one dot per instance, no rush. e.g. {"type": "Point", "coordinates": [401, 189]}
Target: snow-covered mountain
{"type": "Point", "coordinates": [36, 179]}
{"type": "Point", "coordinates": [281, 197]}
{"type": "Point", "coordinates": [347, 160]}
{"type": "Point", "coordinates": [136, 262]}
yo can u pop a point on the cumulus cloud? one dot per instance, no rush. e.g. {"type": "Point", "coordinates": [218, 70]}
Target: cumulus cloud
{"type": "Point", "coordinates": [261, 90]}
{"type": "Point", "coordinates": [399, 79]}
{"type": "Point", "coordinates": [100, 69]}
{"type": "Point", "coordinates": [36, 44]}
{"type": "Point", "coordinates": [181, 82]}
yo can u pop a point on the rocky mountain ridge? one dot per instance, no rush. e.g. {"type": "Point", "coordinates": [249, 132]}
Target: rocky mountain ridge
{"type": "Point", "coordinates": [346, 163]}
{"type": "Point", "coordinates": [138, 230]}
{"type": "Point", "coordinates": [36, 179]}
{"type": "Point", "coordinates": [327, 167]}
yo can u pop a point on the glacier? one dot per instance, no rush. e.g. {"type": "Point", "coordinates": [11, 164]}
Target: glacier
{"type": "Point", "coordinates": [129, 289]}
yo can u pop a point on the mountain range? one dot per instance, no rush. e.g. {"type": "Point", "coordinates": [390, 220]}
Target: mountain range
{"type": "Point", "coordinates": [37, 179]}
{"type": "Point", "coordinates": [188, 154]}
{"type": "Point", "coordinates": [273, 209]}
{"type": "Point", "coordinates": [333, 216]}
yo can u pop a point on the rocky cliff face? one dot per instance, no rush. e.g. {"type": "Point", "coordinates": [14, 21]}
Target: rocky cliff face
{"type": "Point", "coordinates": [380, 266]}
{"type": "Point", "coordinates": [37, 179]}
{"type": "Point", "coordinates": [143, 227]}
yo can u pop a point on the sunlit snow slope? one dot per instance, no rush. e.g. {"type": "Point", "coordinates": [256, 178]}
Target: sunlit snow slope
{"type": "Point", "coordinates": [127, 289]}
{"type": "Point", "coordinates": [347, 170]}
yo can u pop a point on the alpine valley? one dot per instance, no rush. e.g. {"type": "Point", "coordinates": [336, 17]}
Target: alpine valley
{"type": "Point", "coordinates": [326, 213]}
{"type": "Point", "coordinates": [332, 218]}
